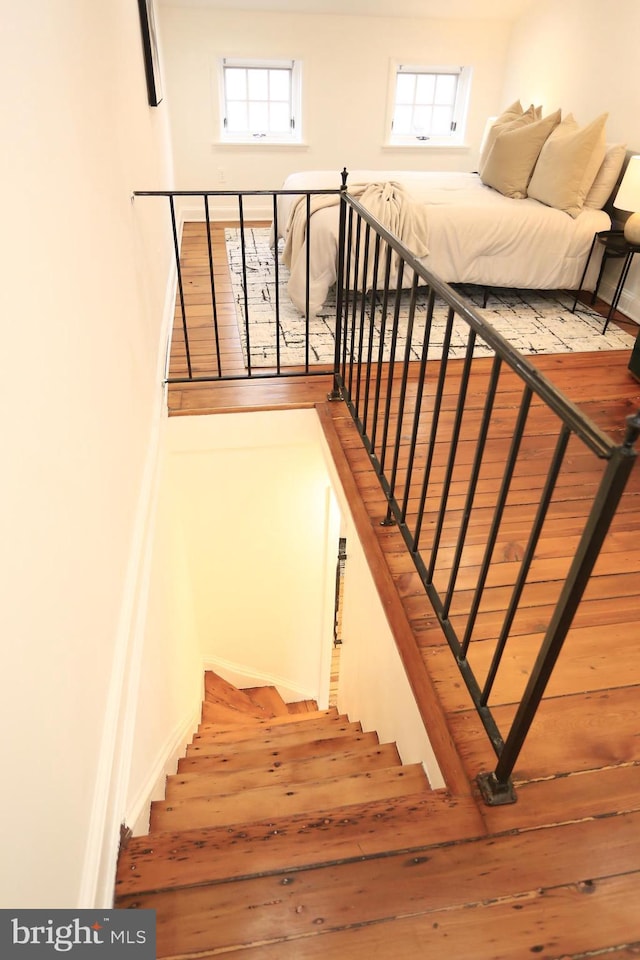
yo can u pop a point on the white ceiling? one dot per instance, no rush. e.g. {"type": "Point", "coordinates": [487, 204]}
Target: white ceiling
{"type": "Point", "coordinates": [475, 9]}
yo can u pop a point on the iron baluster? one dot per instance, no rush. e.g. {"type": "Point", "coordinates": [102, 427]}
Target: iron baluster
{"type": "Point", "coordinates": [606, 502]}
{"type": "Point", "coordinates": [473, 483]}
{"type": "Point", "coordinates": [435, 422]}
{"type": "Point", "coordinates": [453, 449]}
{"type": "Point", "coordinates": [183, 313]}
{"type": "Point", "coordinates": [497, 516]}
{"type": "Point", "coordinates": [527, 559]}
{"type": "Point", "coordinates": [418, 409]}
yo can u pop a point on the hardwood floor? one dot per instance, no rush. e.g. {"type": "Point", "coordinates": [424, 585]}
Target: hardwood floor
{"type": "Point", "coordinates": [570, 889]}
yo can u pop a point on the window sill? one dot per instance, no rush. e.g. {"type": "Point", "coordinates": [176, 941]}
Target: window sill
{"type": "Point", "coordinates": [257, 144]}
{"type": "Point", "coordinates": [427, 145]}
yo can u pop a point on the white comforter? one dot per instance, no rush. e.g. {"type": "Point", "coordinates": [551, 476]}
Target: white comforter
{"type": "Point", "coordinates": [474, 234]}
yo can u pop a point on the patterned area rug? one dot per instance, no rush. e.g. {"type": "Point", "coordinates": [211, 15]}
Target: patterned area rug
{"type": "Point", "coordinates": [532, 321]}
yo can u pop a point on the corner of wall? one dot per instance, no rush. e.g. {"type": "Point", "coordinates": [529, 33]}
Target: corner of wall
{"type": "Point", "coordinates": [242, 676]}
{"type": "Point", "coordinates": [96, 887]}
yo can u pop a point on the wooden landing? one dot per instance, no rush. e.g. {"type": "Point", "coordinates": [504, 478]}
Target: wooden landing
{"type": "Point", "coordinates": [412, 876]}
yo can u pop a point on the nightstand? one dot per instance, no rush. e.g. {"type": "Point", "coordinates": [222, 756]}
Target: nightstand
{"type": "Point", "coordinates": [615, 248]}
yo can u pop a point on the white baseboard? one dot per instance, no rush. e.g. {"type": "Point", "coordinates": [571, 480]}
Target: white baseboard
{"type": "Point", "coordinates": [242, 676]}
{"type": "Point", "coordinates": [165, 763]}
{"type": "Point", "coordinates": [629, 302]}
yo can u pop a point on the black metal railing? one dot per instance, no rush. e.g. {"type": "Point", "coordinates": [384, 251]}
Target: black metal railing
{"type": "Point", "coordinates": [476, 484]}
{"type": "Point", "coordinates": [467, 477]}
{"type": "Point", "coordinates": [197, 343]}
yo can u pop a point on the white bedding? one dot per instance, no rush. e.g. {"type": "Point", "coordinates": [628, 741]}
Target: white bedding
{"type": "Point", "coordinates": [474, 234]}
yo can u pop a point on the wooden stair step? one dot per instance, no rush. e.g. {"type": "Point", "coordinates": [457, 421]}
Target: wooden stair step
{"type": "Point", "coordinates": [247, 729]}
{"type": "Point", "coordinates": [352, 759]}
{"type": "Point", "coordinates": [250, 759]}
{"type": "Point", "coordinates": [302, 706]}
{"type": "Point", "coordinates": [226, 702]}
{"type": "Point", "coordinates": [183, 858]}
{"type": "Point", "coordinates": [562, 917]}
{"type": "Point", "coordinates": [270, 721]}
{"type": "Point", "coordinates": [223, 713]}
{"type": "Point", "coordinates": [543, 886]}
{"type": "Point", "coordinates": [268, 698]}
{"type": "Point", "coordinates": [252, 805]}
{"type": "Point", "coordinates": [273, 736]}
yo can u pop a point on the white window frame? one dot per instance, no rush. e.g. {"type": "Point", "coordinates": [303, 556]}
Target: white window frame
{"type": "Point", "coordinates": [456, 135]}
{"type": "Point", "coordinates": [294, 134]}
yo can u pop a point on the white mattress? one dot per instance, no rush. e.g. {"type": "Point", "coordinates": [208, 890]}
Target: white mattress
{"type": "Point", "coordinates": [475, 234]}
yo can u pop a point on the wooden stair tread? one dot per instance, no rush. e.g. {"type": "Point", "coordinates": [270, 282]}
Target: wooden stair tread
{"type": "Point", "coordinates": [215, 726]}
{"type": "Point", "coordinates": [302, 706]}
{"type": "Point", "coordinates": [272, 736]}
{"type": "Point", "coordinates": [165, 859]}
{"type": "Point", "coordinates": [252, 805]}
{"type": "Point", "coordinates": [353, 759]}
{"type": "Point", "coordinates": [285, 752]}
{"type": "Point", "coordinates": [549, 876]}
{"type": "Point", "coordinates": [570, 922]}
{"type": "Point", "coordinates": [268, 698]}
{"type": "Point", "coordinates": [228, 701]}
{"type": "Point", "coordinates": [223, 714]}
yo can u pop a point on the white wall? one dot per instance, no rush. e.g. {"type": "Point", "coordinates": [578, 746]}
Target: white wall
{"type": "Point", "coordinates": [81, 404]}
{"type": "Point", "coordinates": [373, 686]}
{"type": "Point", "coordinates": [252, 494]}
{"type": "Point", "coordinates": [170, 686]}
{"type": "Point", "coordinates": [345, 77]}
{"type": "Point", "coordinates": [581, 55]}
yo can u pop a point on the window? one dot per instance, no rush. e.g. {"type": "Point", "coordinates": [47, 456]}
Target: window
{"type": "Point", "coordinates": [429, 104]}
{"type": "Point", "coordinates": [260, 101]}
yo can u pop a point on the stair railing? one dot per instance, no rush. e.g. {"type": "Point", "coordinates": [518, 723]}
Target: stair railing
{"type": "Point", "coordinates": [190, 325]}
{"type": "Point", "coordinates": [469, 503]}
{"type": "Point", "coordinates": [486, 482]}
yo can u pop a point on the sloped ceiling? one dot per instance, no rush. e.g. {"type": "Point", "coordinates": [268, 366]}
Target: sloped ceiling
{"type": "Point", "coordinates": [472, 9]}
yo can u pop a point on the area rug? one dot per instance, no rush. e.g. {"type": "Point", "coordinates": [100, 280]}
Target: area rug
{"type": "Point", "coordinates": [532, 321]}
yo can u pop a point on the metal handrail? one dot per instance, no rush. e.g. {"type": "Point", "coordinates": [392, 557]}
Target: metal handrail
{"type": "Point", "coordinates": [364, 382]}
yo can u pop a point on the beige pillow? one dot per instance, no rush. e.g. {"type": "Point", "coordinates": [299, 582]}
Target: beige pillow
{"type": "Point", "coordinates": [513, 156]}
{"type": "Point", "coordinates": [568, 164]}
{"type": "Point", "coordinates": [513, 116]}
{"type": "Point", "coordinates": [606, 176]}
{"type": "Point", "coordinates": [510, 113]}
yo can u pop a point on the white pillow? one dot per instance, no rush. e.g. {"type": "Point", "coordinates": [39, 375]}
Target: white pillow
{"type": "Point", "coordinates": [513, 156]}
{"type": "Point", "coordinates": [568, 164]}
{"type": "Point", "coordinates": [607, 175]}
{"type": "Point", "coordinates": [514, 116]}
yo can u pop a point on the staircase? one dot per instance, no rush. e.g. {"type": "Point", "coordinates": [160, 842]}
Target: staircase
{"type": "Point", "coordinates": [289, 833]}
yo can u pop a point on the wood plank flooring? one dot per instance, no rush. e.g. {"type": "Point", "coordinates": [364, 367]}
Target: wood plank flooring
{"type": "Point", "coordinates": [579, 774]}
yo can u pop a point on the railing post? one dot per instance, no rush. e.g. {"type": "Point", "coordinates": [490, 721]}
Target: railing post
{"type": "Point", "coordinates": [496, 787]}
{"type": "Point", "coordinates": [183, 312]}
{"type": "Point", "coordinates": [336, 393]}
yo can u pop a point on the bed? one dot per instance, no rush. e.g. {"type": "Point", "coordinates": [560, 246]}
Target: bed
{"type": "Point", "coordinates": [473, 232]}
